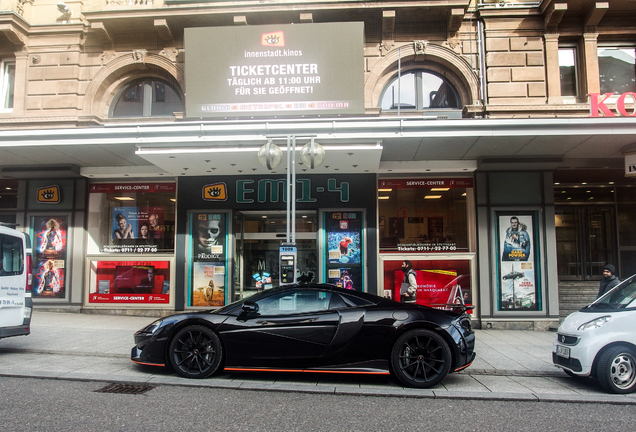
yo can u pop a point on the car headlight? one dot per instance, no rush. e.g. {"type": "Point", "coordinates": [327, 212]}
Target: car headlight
{"type": "Point", "coordinates": [595, 323]}
{"type": "Point", "coordinates": [152, 327]}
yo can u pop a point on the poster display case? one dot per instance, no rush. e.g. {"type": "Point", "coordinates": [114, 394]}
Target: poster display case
{"type": "Point", "coordinates": [517, 264]}
{"type": "Point", "coordinates": [344, 248]}
{"type": "Point", "coordinates": [440, 282]}
{"type": "Point", "coordinates": [49, 265]}
{"type": "Point", "coordinates": [143, 282]}
{"type": "Point", "coordinates": [208, 259]}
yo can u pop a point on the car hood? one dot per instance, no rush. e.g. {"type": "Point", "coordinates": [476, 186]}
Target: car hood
{"type": "Point", "coordinates": [576, 319]}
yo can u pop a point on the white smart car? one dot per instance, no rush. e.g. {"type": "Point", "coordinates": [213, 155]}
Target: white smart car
{"type": "Point", "coordinates": [599, 341]}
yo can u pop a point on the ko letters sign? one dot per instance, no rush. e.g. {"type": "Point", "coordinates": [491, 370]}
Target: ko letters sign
{"type": "Point", "coordinates": [598, 107]}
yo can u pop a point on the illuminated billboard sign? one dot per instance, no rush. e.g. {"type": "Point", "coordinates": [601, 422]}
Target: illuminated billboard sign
{"type": "Point", "coordinates": [299, 69]}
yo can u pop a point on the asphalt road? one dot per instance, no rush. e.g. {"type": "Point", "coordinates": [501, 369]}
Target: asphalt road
{"type": "Point", "coordinates": [30, 404]}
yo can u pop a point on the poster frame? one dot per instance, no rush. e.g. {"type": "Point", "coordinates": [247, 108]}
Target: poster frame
{"type": "Point", "coordinates": [324, 247]}
{"type": "Point", "coordinates": [91, 279]}
{"type": "Point", "coordinates": [500, 220]}
{"type": "Point", "coordinates": [68, 267]}
{"type": "Point", "coordinates": [190, 261]}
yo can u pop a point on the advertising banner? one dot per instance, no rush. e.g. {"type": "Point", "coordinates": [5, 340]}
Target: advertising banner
{"type": "Point", "coordinates": [517, 267]}
{"type": "Point", "coordinates": [435, 288]}
{"type": "Point", "coordinates": [49, 253]}
{"type": "Point", "coordinates": [292, 69]}
{"type": "Point", "coordinates": [145, 282]}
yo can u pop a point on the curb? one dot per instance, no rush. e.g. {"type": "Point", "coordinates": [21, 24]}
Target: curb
{"type": "Point", "coordinates": [339, 390]}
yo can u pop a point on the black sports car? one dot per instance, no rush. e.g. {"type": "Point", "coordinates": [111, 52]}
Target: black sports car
{"type": "Point", "coordinates": [313, 328]}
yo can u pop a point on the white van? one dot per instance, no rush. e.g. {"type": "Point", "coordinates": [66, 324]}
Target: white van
{"type": "Point", "coordinates": [15, 283]}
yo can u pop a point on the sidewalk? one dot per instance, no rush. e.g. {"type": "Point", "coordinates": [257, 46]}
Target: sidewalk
{"type": "Point", "coordinates": [510, 365]}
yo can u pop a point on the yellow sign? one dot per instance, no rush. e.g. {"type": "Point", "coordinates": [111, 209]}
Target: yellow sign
{"type": "Point", "coordinates": [49, 194]}
{"type": "Point", "coordinates": [215, 192]}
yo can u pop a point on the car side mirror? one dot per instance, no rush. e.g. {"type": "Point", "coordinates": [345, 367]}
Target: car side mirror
{"type": "Point", "coordinates": [250, 307]}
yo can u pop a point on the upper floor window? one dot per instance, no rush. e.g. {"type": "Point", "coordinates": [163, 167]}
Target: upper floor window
{"type": "Point", "coordinates": [7, 79]}
{"type": "Point", "coordinates": [617, 69]}
{"type": "Point", "coordinates": [568, 72]}
{"type": "Point", "coordinates": [419, 90]}
{"type": "Point", "coordinates": [147, 98]}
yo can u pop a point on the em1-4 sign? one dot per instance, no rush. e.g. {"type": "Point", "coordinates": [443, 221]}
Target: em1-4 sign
{"type": "Point", "coordinates": [597, 105]}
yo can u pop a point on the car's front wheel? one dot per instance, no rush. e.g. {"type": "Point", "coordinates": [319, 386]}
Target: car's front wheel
{"type": "Point", "coordinates": [616, 369]}
{"type": "Point", "coordinates": [195, 352]}
{"type": "Point", "coordinates": [421, 358]}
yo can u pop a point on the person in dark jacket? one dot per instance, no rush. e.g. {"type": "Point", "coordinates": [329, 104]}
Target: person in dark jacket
{"type": "Point", "coordinates": [609, 280]}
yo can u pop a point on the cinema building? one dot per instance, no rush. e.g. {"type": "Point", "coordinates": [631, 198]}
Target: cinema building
{"type": "Point", "coordinates": [146, 148]}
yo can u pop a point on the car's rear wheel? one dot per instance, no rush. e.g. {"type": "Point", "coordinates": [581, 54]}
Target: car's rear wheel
{"type": "Point", "coordinates": [195, 352]}
{"type": "Point", "coordinates": [616, 369]}
{"type": "Point", "coordinates": [421, 358]}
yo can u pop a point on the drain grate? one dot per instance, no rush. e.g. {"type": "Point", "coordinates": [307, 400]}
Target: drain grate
{"type": "Point", "coordinates": [126, 388]}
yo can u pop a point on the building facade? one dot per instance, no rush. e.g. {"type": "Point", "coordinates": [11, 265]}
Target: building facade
{"type": "Point", "coordinates": [489, 143]}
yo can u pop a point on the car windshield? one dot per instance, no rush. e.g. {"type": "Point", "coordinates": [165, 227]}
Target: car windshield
{"type": "Point", "coordinates": [622, 296]}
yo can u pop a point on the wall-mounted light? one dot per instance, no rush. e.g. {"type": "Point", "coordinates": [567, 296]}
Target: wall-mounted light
{"type": "Point", "coordinates": [312, 154]}
{"type": "Point", "coordinates": [270, 155]}
{"type": "Point", "coordinates": [65, 11]}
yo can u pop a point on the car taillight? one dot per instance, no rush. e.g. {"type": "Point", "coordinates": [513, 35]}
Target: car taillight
{"type": "Point", "coordinates": [29, 273]}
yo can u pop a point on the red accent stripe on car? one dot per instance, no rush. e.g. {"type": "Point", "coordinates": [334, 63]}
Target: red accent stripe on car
{"type": "Point", "coordinates": [238, 369]}
{"type": "Point", "coordinates": [463, 367]}
{"type": "Point", "coordinates": [148, 364]}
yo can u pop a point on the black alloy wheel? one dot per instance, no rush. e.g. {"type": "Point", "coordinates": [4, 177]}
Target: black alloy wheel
{"type": "Point", "coordinates": [196, 352]}
{"type": "Point", "coordinates": [421, 358]}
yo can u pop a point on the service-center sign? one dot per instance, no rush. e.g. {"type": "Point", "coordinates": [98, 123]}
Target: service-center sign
{"type": "Point", "coordinates": [299, 69]}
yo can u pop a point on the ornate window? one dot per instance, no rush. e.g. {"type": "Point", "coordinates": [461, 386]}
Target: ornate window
{"type": "Point", "coordinates": [7, 80]}
{"type": "Point", "coordinates": [147, 97]}
{"type": "Point", "coordinates": [617, 69]}
{"type": "Point", "coordinates": [420, 90]}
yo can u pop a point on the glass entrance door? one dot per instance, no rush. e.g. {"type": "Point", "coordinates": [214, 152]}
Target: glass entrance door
{"type": "Point", "coordinates": [586, 241]}
{"type": "Point", "coordinates": [258, 238]}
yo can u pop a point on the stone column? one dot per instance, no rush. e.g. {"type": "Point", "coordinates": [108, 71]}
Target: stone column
{"type": "Point", "coordinates": [21, 82]}
{"type": "Point", "coordinates": [553, 74]}
{"type": "Point", "coordinates": [589, 62]}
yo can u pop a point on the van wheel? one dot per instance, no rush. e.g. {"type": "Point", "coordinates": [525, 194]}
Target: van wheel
{"type": "Point", "coordinates": [616, 370]}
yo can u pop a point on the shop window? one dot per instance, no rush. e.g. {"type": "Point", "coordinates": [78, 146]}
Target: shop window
{"type": "Point", "coordinates": [8, 83]}
{"type": "Point", "coordinates": [419, 90]}
{"type": "Point", "coordinates": [568, 72]}
{"type": "Point", "coordinates": [147, 98]}
{"type": "Point", "coordinates": [8, 194]}
{"type": "Point", "coordinates": [617, 69]}
{"type": "Point", "coordinates": [440, 283]}
{"type": "Point", "coordinates": [423, 215]}
{"type": "Point", "coordinates": [131, 218]}
{"type": "Point", "coordinates": [138, 282]}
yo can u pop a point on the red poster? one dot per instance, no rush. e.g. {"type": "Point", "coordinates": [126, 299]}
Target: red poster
{"type": "Point", "coordinates": [131, 282]}
{"type": "Point", "coordinates": [435, 288]}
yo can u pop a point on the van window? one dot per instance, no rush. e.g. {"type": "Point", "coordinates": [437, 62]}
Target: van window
{"type": "Point", "coordinates": [12, 262]}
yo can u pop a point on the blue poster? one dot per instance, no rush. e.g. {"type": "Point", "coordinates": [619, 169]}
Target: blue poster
{"type": "Point", "coordinates": [125, 223]}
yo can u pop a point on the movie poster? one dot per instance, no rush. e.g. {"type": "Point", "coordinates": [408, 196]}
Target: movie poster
{"type": "Point", "coordinates": [344, 259]}
{"type": "Point", "coordinates": [209, 284]}
{"type": "Point", "coordinates": [208, 261]}
{"type": "Point", "coordinates": [49, 256]}
{"type": "Point", "coordinates": [517, 267]}
{"type": "Point", "coordinates": [125, 224]}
